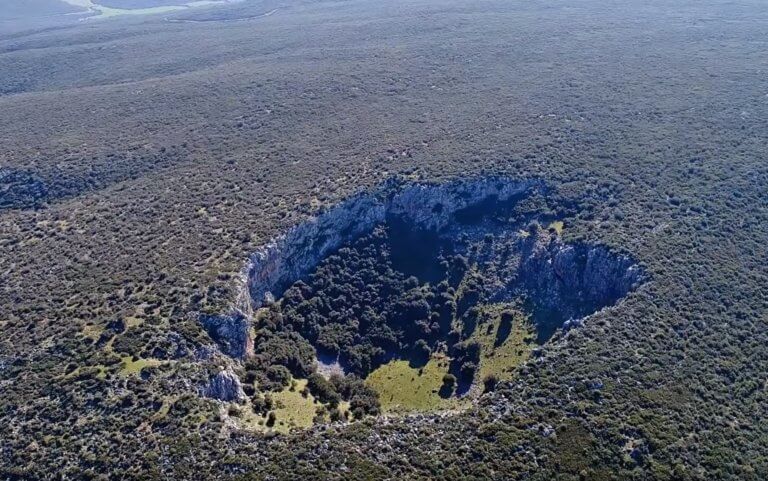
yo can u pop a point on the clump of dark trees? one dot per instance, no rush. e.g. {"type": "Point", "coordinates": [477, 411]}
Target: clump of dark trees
{"type": "Point", "coordinates": [358, 308]}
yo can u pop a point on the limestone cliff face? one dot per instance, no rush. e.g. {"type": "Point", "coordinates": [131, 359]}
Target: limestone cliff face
{"type": "Point", "coordinates": [230, 331]}
{"type": "Point", "coordinates": [562, 282]}
{"type": "Point", "coordinates": [570, 281]}
{"type": "Point", "coordinates": [291, 256]}
{"type": "Point", "coordinates": [225, 386]}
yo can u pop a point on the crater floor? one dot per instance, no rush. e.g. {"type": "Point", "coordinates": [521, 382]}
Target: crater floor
{"type": "Point", "coordinates": [429, 293]}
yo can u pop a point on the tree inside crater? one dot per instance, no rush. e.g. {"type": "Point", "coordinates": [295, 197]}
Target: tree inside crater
{"type": "Point", "coordinates": [411, 288]}
{"type": "Point", "coordinates": [358, 308]}
{"type": "Point", "coordinates": [400, 292]}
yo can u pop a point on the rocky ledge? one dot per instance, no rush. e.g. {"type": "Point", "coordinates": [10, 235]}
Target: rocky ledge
{"type": "Point", "coordinates": [225, 386]}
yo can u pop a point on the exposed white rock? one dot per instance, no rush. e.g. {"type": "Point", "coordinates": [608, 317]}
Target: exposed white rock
{"type": "Point", "coordinates": [225, 386]}
{"type": "Point", "coordinates": [430, 206]}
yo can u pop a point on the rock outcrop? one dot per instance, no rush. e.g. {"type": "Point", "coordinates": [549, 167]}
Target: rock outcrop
{"type": "Point", "coordinates": [556, 271]}
{"type": "Point", "coordinates": [562, 282]}
{"type": "Point", "coordinates": [225, 386]}
{"type": "Point", "coordinates": [231, 332]}
{"type": "Point", "coordinates": [566, 282]}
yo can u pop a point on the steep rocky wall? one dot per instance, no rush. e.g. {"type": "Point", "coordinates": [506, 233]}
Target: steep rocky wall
{"type": "Point", "coordinates": [291, 256]}
{"type": "Point", "coordinates": [570, 281]}
{"type": "Point", "coordinates": [225, 386]}
{"type": "Point", "coordinates": [562, 282]}
{"type": "Point", "coordinates": [232, 332]}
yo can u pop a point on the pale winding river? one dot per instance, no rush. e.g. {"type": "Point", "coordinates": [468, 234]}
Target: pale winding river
{"type": "Point", "coordinates": [100, 11]}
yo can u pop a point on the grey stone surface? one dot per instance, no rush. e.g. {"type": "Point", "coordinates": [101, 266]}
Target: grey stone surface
{"type": "Point", "coordinates": [231, 332]}
{"type": "Point", "coordinates": [225, 386]}
{"type": "Point", "coordinates": [573, 279]}
{"type": "Point", "coordinates": [564, 281]}
{"type": "Point", "coordinates": [292, 255]}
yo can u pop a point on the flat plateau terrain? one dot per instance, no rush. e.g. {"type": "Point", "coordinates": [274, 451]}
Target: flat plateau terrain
{"type": "Point", "coordinates": [144, 159]}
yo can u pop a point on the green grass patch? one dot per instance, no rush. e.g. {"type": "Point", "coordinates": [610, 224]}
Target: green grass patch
{"type": "Point", "coordinates": [403, 388]}
{"type": "Point", "coordinates": [558, 226]}
{"type": "Point", "coordinates": [130, 367]}
{"type": "Point", "coordinates": [502, 360]}
{"type": "Point", "coordinates": [293, 411]}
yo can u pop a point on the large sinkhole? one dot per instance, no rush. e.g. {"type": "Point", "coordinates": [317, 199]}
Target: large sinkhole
{"type": "Point", "coordinates": [418, 293]}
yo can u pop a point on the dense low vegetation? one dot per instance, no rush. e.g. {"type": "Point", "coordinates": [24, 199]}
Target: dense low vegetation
{"type": "Point", "coordinates": [359, 310]}
{"type": "Point", "coordinates": [166, 163]}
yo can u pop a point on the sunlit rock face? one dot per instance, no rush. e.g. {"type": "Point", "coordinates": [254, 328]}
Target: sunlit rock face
{"type": "Point", "coordinates": [423, 206]}
{"type": "Point", "coordinates": [225, 386]}
{"type": "Point", "coordinates": [559, 283]}
{"type": "Point", "coordinates": [231, 332]}
{"type": "Point", "coordinates": [565, 282]}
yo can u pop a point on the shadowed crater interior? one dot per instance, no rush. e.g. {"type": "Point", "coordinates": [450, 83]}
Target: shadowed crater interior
{"type": "Point", "coordinates": [407, 272]}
